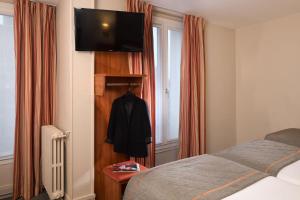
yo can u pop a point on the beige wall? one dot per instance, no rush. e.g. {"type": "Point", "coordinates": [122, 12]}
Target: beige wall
{"type": "Point", "coordinates": [111, 4]}
{"type": "Point", "coordinates": [220, 87]}
{"type": "Point", "coordinates": [268, 69]}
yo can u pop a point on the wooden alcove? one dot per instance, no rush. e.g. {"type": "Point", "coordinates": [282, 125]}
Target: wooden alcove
{"type": "Point", "coordinates": [112, 79]}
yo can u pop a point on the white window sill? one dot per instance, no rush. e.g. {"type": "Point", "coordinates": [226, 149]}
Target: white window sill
{"type": "Point", "coordinates": [168, 146]}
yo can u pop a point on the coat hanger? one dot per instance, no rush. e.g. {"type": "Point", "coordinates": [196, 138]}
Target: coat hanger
{"type": "Point", "coordinates": [129, 91]}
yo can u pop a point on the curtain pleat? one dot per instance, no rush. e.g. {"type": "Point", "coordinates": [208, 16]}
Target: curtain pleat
{"type": "Point", "coordinates": [192, 130]}
{"type": "Point", "coordinates": [143, 63]}
{"type": "Point", "coordinates": [35, 52]}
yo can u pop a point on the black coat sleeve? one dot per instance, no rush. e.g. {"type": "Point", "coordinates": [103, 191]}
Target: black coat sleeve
{"type": "Point", "coordinates": [147, 124]}
{"type": "Point", "coordinates": [111, 125]}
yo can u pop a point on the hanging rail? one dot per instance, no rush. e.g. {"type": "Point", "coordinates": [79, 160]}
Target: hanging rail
{"type": "Point", "coordinates": [123, 84]}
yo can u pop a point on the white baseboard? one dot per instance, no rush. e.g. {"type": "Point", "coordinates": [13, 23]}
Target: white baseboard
{"type": "Point", "coordinates": [86, 197]}
{"type": "Point", "coordinates": [6, 191]}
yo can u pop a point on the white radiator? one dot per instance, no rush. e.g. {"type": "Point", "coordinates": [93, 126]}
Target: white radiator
{"type": "Point", "coordinates": [53, 161]}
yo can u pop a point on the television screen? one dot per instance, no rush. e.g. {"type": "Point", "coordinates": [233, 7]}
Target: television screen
{"type": "Point", "coordinates": [104, 30]}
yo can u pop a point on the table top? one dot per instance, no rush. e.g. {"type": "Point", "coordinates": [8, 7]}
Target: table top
{"type": "Point", "coordinates": [122, 176]}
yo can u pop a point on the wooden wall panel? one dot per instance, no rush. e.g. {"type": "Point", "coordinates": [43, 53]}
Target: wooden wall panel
{"type": "Point", "coordinates": [108, 63]}
{"type": "Point", "coordinates": [111, 63]}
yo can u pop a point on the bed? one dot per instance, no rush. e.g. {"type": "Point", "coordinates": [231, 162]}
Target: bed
{"type": "Point", "coordinates": [261, 169]}
{"type": "Point", "coordinates": [273, 158]}
{"type": "Point", "coordinates": [203, 177]}
{"type": "Point", "coordinates": [289, 136]}
{"type": "Point", "coordinates": [208, 177]}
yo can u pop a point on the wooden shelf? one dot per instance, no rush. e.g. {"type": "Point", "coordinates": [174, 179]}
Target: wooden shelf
{"type": "Point", "coordinates": [102, 81]}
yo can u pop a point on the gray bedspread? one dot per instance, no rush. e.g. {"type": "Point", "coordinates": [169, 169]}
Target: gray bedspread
{"type": "Point", "coordinates": [264, 155]}
{"type": "Point", "coordinates": [203, 177]}
{"type": "Point", "coordinates": [289, 136]}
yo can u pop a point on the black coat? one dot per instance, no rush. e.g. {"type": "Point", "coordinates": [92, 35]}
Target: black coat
{"type": "Point", "coordinates": [129, 127]}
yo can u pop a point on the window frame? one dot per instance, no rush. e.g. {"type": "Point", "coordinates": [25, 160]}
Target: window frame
{"type": "Point", "coordinates": [6, 9]}
{"type": "Point", "coordinates": [165, 24]}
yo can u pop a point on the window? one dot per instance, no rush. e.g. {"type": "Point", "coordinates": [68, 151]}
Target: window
{"type": "Point", "coordinates": [167, 38]}
{"type": "Point", "coordinates": [7, 87]}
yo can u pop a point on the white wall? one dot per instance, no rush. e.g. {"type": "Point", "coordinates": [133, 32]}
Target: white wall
{"type": "Point", "coordinates": [268, 69]}
{"type": "Point", "coordinates": [75, 102]}
{"type": "Point", "coordinates": [64, 111]}
{"type": "Point", "coordinates": [83, 115]}
{"type": "Point", "coordinates": [220, 87]}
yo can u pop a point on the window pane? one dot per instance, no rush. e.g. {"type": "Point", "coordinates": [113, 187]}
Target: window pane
{"type": "Point", "coordinates": [174, 59]}
{"type": "Point", "coordinates": [7, 86]}
{"type": "Point", "coordinates": [158, 82]}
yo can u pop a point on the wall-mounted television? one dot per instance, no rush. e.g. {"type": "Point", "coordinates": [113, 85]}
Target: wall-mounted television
{"type": "Point", "coordinates": [105, 30]}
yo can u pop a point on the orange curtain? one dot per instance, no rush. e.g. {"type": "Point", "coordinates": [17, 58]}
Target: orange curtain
{"type": "Point", "coordinates": [192, 94]}
{"type": "Point", "coordinates": [143, 63]}
{"type": "Point", "coordinates": [35, 51]}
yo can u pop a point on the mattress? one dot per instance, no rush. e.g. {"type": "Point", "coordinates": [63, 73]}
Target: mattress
{"type": "Point", "coordinates": [203, 177]}
{"type": "Point", "coordinates": [263, 155]}
{"type": "Point", "coordinates": [288, 136]}
{"type": "Point", "coordinates": [269, 188]}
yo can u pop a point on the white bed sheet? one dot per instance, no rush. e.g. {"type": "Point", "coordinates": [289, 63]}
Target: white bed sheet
{"type": "Point", "coordinates": [291, 173]}
{"type": "Point", "coordinates": [269, 188]}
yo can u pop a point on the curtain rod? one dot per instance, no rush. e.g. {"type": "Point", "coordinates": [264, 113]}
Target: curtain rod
{"type": "Point", "coordinates": [43, 1]}
{"type": "Point", "coordinates": [12, 1]}
{"type": "Point", "coordinates": [7, 1]}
